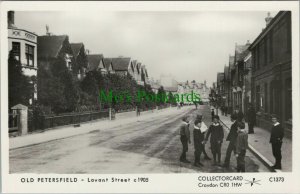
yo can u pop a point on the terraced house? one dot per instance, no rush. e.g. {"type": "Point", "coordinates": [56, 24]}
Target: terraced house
{"type": "Point", "coordinates": [96, 63]}
{"type": "Point", "coordinates": [80, 59]}
{"type": "Point", "coordinates": [51, 48]}
{"type": "Point", "coordinates": [272, 70]}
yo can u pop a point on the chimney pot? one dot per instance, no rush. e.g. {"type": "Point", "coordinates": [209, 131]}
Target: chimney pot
{"type": "Point", "coordinates": [11, 19]}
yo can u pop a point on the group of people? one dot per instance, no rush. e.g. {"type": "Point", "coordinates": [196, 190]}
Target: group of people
{"type": "Point", "coordinates": [215, 132]}
{"type": "Point", "coordinates": [237, 137]}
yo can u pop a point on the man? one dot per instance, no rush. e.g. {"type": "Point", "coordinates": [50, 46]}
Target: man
{"type": "Point", "coordinates": [199, 130]}
{"type": "Point", "coordinates": [184, 138]}
{"type": "Point", "coordinates": [216, 139]}
{"type": "Point", "coordinates": [251, 118]}
{"type": "Point", "coordinates": [241, 147]}
{"type": "Point", "coordinates": [232, 140]}
{"type": "Point", "coordinates": [277, 134]}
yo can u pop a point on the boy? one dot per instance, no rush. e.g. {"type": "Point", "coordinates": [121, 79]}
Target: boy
{"type": "Point", "coordinates": [241, 146]}
{"type": "Point", "coordinates": [232, 140]}
{"type": "Point", "coordinates": [277, 134]}
{"type": "Point", "coordinates": [184, 138]}
{"type": "Point", "coordinates": [198, 133]}
{"type": "Point", "coordinates": [216, 139]}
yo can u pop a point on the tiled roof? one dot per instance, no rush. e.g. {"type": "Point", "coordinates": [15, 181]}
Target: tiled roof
{"type": "Point", "coordinates": [138, 67]}
{"type": "Point", "coordinates": [120, 63]}
{"type": "Point", "coordinates": [106, 62]}
{"type": "Point", "coordinates": [76, 48]}
{"type": "Point", "coordinates": [241, 51]}
{"type": "Point", "coordinates": [94, 61]}
{"type": "Point", "coordinates": [133, 63]}
{"type": "Point", "coordinates": [49, 46]}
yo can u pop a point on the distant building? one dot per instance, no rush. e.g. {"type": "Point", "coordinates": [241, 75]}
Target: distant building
{"type": "Point", "coordinates": [272, 71]}
{"type": "Point", "coordinates": [237, 74]}
{"type": "Point", "coordinates": [23, 45]}
{"type": "Point", "coordinates": [226, 86]}
{"type": "Point", "coordinates": [246, 94]}
{"type": "Point", "coordinates": [168, 81]}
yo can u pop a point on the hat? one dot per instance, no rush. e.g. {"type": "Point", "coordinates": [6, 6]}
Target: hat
{"type": "Point", "coordinates": [241, 125]}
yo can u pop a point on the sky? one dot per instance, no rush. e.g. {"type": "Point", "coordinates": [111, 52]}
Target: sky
{"type": "Point", "coordinates": [186, 45]}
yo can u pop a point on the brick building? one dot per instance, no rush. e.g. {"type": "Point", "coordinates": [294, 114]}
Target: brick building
{"type": "Point", "coordinates": [272, 71]}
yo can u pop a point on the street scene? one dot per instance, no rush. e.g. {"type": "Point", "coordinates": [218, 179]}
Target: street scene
{"type": "Point", "coordinates": [149, 92]}
{"type": "Point", "coordinates": [123, 149]}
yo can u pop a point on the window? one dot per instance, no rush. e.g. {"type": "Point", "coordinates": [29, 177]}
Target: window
{"type": "Point", "coordinates": [288, 99]}
{"type": "Point", "coordinates": [265, 52]}
{"type": "Point", "coordinates": [271, 46]}
{"type": "Point", "coordinates": [16, 50]}
{"type": "Point", "coordinates": [289, 34]}
{"type": "Point", "coordinates": [254, 60]}
{"type": "Point", "coordinates": [257, 57]}
{"type": "Point", "coordinates": [29, 52]}
{"type": "Point", "coordinates": [258, 100]}
{"type": "Point", "coordinates": [266, 98]}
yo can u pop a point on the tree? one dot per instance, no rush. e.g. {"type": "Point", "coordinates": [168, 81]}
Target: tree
{"type": "Point", "coordinates": [20, 88]}
{"type": "Point", "coordinates": [161, 94]}
{"type": "Point", "coordinates": [50, 91]}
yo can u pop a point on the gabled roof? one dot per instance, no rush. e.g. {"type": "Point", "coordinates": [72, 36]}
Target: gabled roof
{"type": "Point", "coordinates": [241, 51]}
{"type": "Point", "coordinates": [76, 48]}
{"type": "Point", "coordinates": [107, 62]}
{"type": "Point", "coordinates": [133, 64]}
{"type": "Point", "coordinates": [94, 61]}
{"type": "Point", "coordinates": [138, 67]}
{"type": "Point", "coordinates": [49, 46]}
{"type": "Point", "coordinates": [120, 63]}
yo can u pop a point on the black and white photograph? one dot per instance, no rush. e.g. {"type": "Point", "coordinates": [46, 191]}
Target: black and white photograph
{"type": "Point", "coordinates": [150, 91]}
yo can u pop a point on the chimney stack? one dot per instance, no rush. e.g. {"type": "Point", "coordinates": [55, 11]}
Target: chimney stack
{"type": "Point", "coordinates": [11, 19]}
{"type": "Point", "coordinates": [268, 19]}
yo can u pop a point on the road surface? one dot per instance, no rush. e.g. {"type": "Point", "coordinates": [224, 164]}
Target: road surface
{"type": "Point", "coordinates": [149, 145]}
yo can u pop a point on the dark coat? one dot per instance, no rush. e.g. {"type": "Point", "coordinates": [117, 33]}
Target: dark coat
{"type": "Point", "coordinates": [198, 136]}
{"type": "Point", "coordinates": [251, 115]}
{"type": "Point", "coordinates": [232, 133]}
{"type": "Point", "coordinates": [277, 134]}
{"type": "Point", "coordinates": [240, 116]}
{"type": "Point", "coordinates": [217, 133]}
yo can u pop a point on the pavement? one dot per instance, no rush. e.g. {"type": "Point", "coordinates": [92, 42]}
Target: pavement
{"type": "Point", "coordinates": [69, 130]}
{"type": "Point", "coordinates": [260, 146]}
{"type": "Point", "coordinates": [146, 144]}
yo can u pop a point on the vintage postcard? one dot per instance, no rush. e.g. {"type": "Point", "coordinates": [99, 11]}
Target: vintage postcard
{"type": "Point", "coordinates": [150, 97]}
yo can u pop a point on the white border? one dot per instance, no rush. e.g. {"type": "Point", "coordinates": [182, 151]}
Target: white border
{"type": "Point", "coordinates": [162, 183]}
